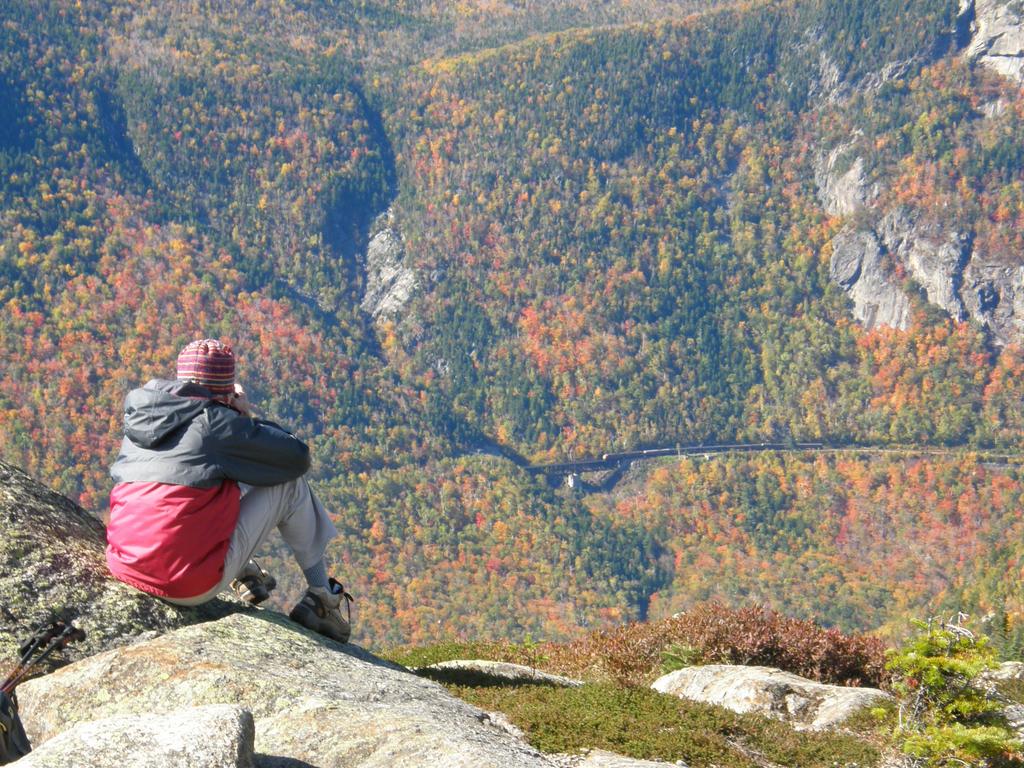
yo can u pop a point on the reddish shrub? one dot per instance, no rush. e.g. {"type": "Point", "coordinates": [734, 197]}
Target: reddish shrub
{"type": "Point", "coordinates": [713, 633]}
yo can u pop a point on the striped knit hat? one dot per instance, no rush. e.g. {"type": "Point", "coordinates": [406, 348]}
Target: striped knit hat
{"type": "Point", "coordinates": [209, 364]}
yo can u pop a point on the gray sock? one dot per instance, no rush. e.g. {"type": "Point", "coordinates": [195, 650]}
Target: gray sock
{"type": "Point", "coordinates": [316, 575]}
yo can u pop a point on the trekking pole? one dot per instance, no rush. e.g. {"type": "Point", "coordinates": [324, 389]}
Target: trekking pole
{"type": "Point", "coordinates": [43, 635]}
{"type": "Point", "coordinates": [57, 634]}
{"type": "Point", "coordinates": [25, 652]}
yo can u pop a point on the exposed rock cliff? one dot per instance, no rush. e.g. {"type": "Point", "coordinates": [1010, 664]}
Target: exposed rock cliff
{"type": "Point", "coordinates": [389, 282]}
{"type": "Point", "coordinates": [936, 261]}
{"type": "Point", "coordinates": [842, 183]}
{"type": "Point", "coordinates": [997, 39]}
{"type": "Point", "coordinates": [966, 283]}
{"type": "Point", "coordinates": [858, 263]}
{"type": "Point", "coordinates": [859, 266]}
{"type": "Point", "coordinates": [863, 256]}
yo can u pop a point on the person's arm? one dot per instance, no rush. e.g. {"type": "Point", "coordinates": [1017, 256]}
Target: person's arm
{"type": "Point", "coordinates": [255, 451]}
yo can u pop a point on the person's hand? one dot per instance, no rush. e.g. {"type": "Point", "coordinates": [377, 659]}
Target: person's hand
{"type": "Point", "coordinates": [240, 402]}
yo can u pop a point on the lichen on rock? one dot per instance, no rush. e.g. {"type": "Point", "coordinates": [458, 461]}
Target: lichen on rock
{"type": "Point", "coordinates": [52, 565]}
{"type": "Point", "coordinates": [218, 736]}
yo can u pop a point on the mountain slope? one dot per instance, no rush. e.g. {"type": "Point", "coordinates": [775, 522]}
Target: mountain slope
{"type": "Point", "coordinates": [618, 226]}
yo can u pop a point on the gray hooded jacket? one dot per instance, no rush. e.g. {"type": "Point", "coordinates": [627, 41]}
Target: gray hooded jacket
{"type": "Point", "coordinates": [175, 433]}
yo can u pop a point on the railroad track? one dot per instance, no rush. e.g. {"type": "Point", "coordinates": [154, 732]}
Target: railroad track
{"type": "Point", "coordinates": [613, 461]}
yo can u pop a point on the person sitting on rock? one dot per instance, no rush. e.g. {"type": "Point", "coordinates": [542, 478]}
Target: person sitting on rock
{"type": "Point", "coordinates": [200, 484]}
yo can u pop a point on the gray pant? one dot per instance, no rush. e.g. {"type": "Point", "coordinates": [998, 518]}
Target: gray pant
{"type": "Point", "coordinates": [290, 507]}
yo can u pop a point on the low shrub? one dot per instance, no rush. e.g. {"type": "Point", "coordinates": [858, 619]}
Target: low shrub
{"type": "Point", "coordinates": [714, 634]}
{"type": "Point", "coordinates": [635, 654]}
{"type": "Point", "coordinates": [647, 725]}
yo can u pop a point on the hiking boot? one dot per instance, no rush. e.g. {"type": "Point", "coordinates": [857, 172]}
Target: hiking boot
{"type": "Point", "coordinates": [253, 584]}
{"type": "Point", "coordinates": [320, 611]}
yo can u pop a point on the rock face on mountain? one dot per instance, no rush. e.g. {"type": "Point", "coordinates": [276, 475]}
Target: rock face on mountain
{"type": "Point", "coordinates": [953, 275]}
{"type": "Point", "coordinates": [52, 565]}
{"type": "Point", "coordinates": [843, 191]}
{"type": "Point", "coordinates": [858, 265]}
{"type": "Point", "coordinates": [936, 261]}
{"type": "Point", "coordinates": [963, 281]}
{"type": "Point", "coordinates": [772, 692]}
{"type": "Point", "coordinates": [389, 282]}
{"type": "Point", "coordinates": [313, 701]}
{"type": "Point", "coordinates": [997, 41]}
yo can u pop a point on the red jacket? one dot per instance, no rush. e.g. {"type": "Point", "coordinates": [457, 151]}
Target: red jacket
{"type": "Point", "coordinates": [176, 502]}
{"type": "Point", "coordinates": [170, 540]}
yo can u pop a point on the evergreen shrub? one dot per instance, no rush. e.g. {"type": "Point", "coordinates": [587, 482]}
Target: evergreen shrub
{"type": "Point", "coordinates": [948, 716]}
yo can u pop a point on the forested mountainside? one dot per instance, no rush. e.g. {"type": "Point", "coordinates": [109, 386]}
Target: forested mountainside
{"type": "Point", "coordinates": [565, 229]}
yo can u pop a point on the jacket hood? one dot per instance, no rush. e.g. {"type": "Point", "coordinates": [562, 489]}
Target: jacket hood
{"type": "Point", "coordinates": [160, 408]}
